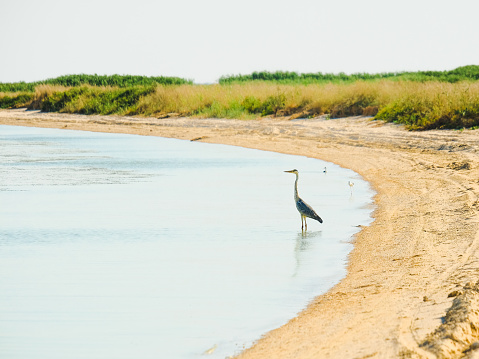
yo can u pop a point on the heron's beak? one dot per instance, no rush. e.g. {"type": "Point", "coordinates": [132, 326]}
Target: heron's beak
{"type": "Point", "coordinates": [289, 171]}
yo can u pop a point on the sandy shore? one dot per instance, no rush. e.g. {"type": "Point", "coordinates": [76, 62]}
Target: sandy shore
{"type": "Point", "coordinates": [411, 286]}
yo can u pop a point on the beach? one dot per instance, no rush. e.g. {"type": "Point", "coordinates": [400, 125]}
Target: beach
{"type": "Point", "coordinates": [410, 290]}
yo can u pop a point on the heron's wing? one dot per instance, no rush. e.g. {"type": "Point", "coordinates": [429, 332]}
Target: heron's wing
{"type": "Point", "coordinates": [306, 210]}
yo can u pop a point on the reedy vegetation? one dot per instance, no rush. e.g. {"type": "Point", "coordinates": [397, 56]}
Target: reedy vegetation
{"type": "Point", "coordinates": [463, 73]}
{"type": "Point", "coordinates": [420, 104]}
{"type": "Point", "coordinates": [94, 80]}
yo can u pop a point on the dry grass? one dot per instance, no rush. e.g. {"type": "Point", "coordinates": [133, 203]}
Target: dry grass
{"type": "Point", "coordinates": [252, 98]}
{"type": "Point", "coordinates": [418, 105]}
{"type": "Point", "coordinates": [42, 92]}
{"type": "Point", "coordinates": [16, 99]}
{"type": "Point", "coordinates": [201, 100]}
{"type": "Point", "coordinates": [434, 105]}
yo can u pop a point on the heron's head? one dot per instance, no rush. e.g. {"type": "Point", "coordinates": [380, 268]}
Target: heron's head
{"type": "Point", "coordinates": [292, 171]}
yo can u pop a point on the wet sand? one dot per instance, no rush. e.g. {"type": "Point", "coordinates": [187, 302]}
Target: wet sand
{"type": "Point", "coordinates": [411, 290]}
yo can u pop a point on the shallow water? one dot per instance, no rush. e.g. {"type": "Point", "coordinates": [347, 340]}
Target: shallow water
{"type": "Point", "coordinates": [122, 246]}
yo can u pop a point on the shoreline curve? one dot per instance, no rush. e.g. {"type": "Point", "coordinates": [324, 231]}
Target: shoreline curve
{"type": "Point", "coordinates": [411, 286]}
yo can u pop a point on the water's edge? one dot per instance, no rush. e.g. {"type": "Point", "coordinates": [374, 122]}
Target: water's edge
{"type": "Point", "coordinates": [304, 243]}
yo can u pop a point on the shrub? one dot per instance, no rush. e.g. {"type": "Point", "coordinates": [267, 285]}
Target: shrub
{"type": "Point", "coordinates": [15, 100]}
{"type": "Point", "coordinates": [435, 105]}
{"type": "Point", "coordinates": [273, 104]}
{"type": "Point", "coordinates": [251, 104]}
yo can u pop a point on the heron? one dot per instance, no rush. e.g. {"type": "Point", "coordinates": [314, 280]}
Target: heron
{"type": "Point", "coordinates": [304, 209]}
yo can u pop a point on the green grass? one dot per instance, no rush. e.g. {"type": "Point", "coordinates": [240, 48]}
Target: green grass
{"type": "Point", "coordinates": [15, 100]}
{"type": "Point", "coordinates": [94, 80]}
{"type": "Point", "coordinates": [465, 73]}
{"type": "Point", "coordinates": [90, 100]}
{"type": "Point", "coordinates": [421, 101]}
{"type": "Point", "coordinates": [435, 105]}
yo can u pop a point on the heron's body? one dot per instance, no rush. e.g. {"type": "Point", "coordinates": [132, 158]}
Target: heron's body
{"type": "Point", "coordinates": [304, 209]}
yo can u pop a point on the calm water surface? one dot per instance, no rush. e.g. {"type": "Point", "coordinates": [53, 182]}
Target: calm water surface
{"type": "Point", "coordinates": [122, 246]}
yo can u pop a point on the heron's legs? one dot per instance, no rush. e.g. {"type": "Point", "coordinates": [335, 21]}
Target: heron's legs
{"type": "Point", "coordinates": [305, 224]}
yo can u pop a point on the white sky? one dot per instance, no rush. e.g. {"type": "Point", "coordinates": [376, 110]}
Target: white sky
{"type": "Point", "coordinates": [205, 39]}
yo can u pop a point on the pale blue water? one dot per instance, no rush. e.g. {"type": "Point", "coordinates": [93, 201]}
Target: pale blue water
{"type": "Point", "coordinates": [121, 246]}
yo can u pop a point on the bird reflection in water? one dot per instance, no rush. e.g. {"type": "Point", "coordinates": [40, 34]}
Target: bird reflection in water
{"type": "Point", "coordinates": [304, 243]}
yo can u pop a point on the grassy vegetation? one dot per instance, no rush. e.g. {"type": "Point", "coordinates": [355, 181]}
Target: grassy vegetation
{"type": "Point", "coordinates": [435, 105]}
{"type": "Point", "coordinates": [90, 100]}
{"type": "Point", "coordinates": [15, 100]}
{"type": "Point", "coordinates": [94, 80]}
{"type": "Point", "coordinates": [464, 73]}
{"type": "Point", "coordinates": [441, 102]}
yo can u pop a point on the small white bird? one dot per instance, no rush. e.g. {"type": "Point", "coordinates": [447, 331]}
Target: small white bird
{"type": "Point", "coordinates": [351, 185]}
{"type": "Point", "coordinates": [325, 170]}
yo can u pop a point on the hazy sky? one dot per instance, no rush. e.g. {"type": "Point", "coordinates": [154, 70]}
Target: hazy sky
{"type": "Point", "coordinates": [205, 39]}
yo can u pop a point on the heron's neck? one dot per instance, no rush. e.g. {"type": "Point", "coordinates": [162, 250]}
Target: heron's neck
{"type": "Point", "coordinates": [296, 188]}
